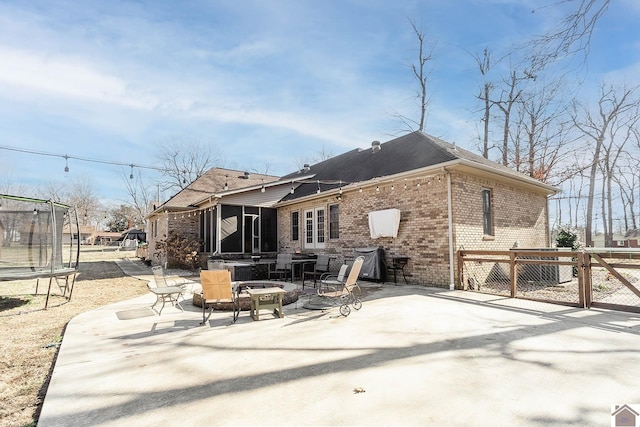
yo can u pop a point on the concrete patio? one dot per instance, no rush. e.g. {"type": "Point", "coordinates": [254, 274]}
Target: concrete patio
{"type": "Point", "coordinates": [411, 356]}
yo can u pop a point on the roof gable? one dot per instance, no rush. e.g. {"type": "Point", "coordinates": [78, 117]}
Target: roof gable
{"type": "Point", "coordinates": [211, 182]}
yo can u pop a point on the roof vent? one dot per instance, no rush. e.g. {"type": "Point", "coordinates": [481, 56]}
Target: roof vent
{"type": "Point", "coordinates": [306, 167]}
{"type": "Point", "coordinates": [375, 146]}
{"type": "Point", "coordinates": [246, 175]}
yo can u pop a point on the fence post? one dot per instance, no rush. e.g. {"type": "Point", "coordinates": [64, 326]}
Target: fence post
{"type": "Point", "coordinates": [461, 281]}
{"type": "Point", "coordinates": [581, 284]}
{"type": "Point", "coordinates": [588, 291]}
{"type": "Point", "coordinates": [513, 273]}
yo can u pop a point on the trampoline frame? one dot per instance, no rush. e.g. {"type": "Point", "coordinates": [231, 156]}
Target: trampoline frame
{"type": "Point", "coordinates": [51, 272]}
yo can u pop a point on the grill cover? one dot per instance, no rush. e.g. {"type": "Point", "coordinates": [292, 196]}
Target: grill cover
{"type": "Point", "coordinates": [374, 266]}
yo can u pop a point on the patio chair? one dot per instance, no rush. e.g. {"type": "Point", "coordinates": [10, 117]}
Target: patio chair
{"type": "Point", "coordinates": [165, 294]}
{"type": "Point", "coordinates": [217, 290]}
{"type": "Point", "coordinates": [331, 279]}
{"type": "Point", "coordinates": [320, 267]}
{"type": "Point", "coordinates": [162, 281]}
{"type": "Point", "coordinates": [283, 267]}
{"type": "Point", "coordinates": [347, 294]}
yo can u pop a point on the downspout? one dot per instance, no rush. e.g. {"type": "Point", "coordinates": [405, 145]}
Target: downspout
{"type": "Point", "coordinates": [450, 215]}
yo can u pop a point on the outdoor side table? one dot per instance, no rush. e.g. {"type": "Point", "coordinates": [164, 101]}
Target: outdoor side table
{"type": "Point", "coordinates": [266, 298]}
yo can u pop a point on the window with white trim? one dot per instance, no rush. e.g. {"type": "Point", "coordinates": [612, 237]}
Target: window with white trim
{"type": "Point", "coordinates": [314, 228]}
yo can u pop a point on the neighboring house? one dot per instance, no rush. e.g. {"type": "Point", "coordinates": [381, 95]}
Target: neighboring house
{"type": "Point", "coordinates": [105, 237]}
{"type": "Point", "coordinates": [86, 236]}
{"type": "Point", "coordinates": [618, 241]}
{"type": "Point", "coordinates": [181, 214]}
{"type": "Point", "coordinates": [632, 238]}
{"type": "Point", "coordinates": [415, 196]}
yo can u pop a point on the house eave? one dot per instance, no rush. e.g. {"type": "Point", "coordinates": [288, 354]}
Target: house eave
{"type": "Point", "coordinates": [527, 182]}
{"type": "Point", "coordinates": [460, 165]}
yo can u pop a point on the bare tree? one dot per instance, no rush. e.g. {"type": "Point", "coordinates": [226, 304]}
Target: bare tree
{"type": "Point", "coordinates": [421, 74]}
{"type": "Point", "coordinates": [572, 36]}
{"type": "Point", "coordinates": [509, 96]}
{"type": "Point", "coordinates": [140, 195]}
{"type": "Point", "coordinates": [620, 133]}
{"type": "Point", "coordinates": [184, 161]}
{"type": "Point", "coordinates": [321, 155]}
{"type": "Point", "coordinates": [543, 127]}
{"type": "Point", "coordinates": [484, 66]}
{"type": "Point", "coordinates": [628, 180]}
{"type": "Point", "coordinates": [82, 196]}
{"type": "Point", "coordinates": [595, 126]}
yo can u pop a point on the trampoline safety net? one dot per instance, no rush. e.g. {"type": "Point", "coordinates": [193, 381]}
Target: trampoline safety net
{"type": "Point", "coordinates": [38, 238]}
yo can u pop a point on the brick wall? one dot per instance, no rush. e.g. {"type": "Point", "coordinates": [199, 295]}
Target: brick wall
{"type": "Point", "coordinates": [184, 225]}
{"type": "Point", "coordinates": [423, 234]}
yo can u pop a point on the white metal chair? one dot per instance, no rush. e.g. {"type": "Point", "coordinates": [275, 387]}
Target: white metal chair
{"type": "Point", "coordinates": [347, 294]}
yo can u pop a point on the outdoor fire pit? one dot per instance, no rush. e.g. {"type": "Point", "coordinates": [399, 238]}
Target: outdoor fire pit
{"type": "Point", "coordinates": [291, 295]}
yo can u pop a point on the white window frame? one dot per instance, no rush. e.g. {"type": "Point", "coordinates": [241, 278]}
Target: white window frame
{"type": "Point", "coordinates": [315, 228]}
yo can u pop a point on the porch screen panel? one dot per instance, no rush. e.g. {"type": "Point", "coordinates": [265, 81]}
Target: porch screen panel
{"type": "Point", "coordinates": [269, 230]}
{"type": "Point", "coordinates": [231, 229]}
{"type": "Point", "coordinates": [205, 236]}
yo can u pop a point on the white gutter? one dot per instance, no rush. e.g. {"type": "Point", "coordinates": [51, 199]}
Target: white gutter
{"type": "Point", "coordinates": [450, 215]}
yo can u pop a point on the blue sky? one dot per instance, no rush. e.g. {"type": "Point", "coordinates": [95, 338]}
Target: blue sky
{"type": "Point", "coordinates": [268, 83]}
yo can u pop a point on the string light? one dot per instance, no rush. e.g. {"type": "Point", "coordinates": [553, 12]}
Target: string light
{"type": "Point", "coordinates": [318, 190]}
{"type": "Point", "coordinates": [131, 175]}
{"type": "Point", "coordinates": [226, 182]}
{"type": "Point", "coordinates": [83, 159]}
{"type": "Point", "coordinates": [262, 189]}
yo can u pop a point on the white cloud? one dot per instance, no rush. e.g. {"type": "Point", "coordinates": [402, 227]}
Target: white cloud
{"type": "Point", "coordinates": [67, 78]}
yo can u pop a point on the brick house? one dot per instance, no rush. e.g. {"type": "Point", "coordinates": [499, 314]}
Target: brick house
{"type": "Point", "coordinates": [429, 198]}
{"type": "Point", "coordinates": [448, 198]}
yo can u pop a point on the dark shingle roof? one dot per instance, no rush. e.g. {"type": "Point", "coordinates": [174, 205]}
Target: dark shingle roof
{"type": "Point", "coordinates": [413, 151]}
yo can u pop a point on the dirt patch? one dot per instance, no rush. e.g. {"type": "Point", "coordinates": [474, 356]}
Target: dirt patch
{"type": "Point", "coordinates": [31, 336]}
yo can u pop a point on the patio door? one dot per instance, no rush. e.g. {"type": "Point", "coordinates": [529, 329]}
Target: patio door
{"type": "Point", "coordinates": [314, 228]}
{"type": "Point", "coordinates": [251, 233]}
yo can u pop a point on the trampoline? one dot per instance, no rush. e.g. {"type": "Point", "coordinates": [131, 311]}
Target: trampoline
{"type": "Point", "coordinates": [39, 240]}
